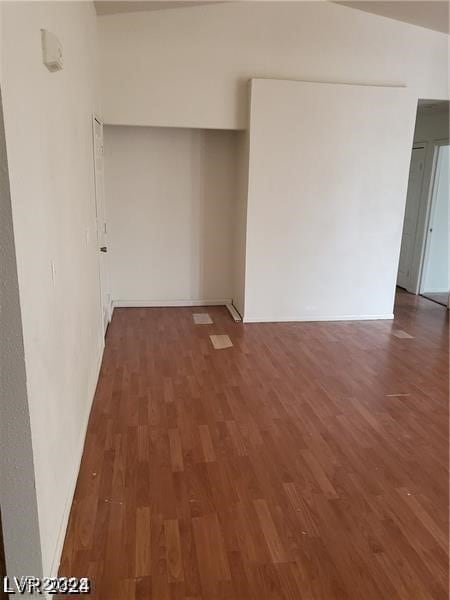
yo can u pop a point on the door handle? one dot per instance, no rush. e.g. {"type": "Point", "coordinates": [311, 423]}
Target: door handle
{"type": "Point", "coordinates": [103, 249]}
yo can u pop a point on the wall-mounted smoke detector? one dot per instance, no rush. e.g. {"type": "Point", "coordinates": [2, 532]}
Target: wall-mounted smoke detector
{"type": "Point", "coordinates": [51, 51]}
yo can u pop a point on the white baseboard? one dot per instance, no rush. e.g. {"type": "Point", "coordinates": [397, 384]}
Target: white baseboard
{"type": "Point", "coordinates": [169, 303]}
{"type": "Point", "coordinates": [74, 476]}
{"type": "Point", "coordinates": [313, 318]}
{"type": "Point", "coordinates": [234, 313]}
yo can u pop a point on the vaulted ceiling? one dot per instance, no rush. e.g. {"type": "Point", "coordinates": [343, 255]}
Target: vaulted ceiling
{"type": "Point", "coordinates": [432, 14]}
{"type": "Point", "coordinates": [107, 7]}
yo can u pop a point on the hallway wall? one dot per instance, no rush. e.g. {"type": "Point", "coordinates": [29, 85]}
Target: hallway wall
{"type": "Point", "coordinates": [48, 123]}
{"type": "Point", "coordinates": [18, 501]}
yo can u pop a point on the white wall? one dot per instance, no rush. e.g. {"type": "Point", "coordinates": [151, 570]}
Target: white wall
{"type": "Point", "coordinates": [18, 500]}
{"type": "Point", "coordinates": [190, 68]}
{"type": "Point", "coordinates": [48, 122]}
{"type": "Point", "coordinates": [240, 236]}
{"type": "Point", "coordinates": [437, 259]}
{"type": "Point", "coordinates": [327, 187]}
{"type": "Point", "coordinates": [171, 196]}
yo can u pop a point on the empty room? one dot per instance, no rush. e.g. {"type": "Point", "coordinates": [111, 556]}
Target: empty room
{"type": "Point", "coordinates": [224, 291]}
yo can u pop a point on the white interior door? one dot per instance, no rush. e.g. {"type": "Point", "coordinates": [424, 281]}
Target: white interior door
{"type": "Point", "coordinates": [414, 195]}
{"type": "Point", "coordinates": [102, 231]}
{"type": "Point", "coordinates": [435, 273]}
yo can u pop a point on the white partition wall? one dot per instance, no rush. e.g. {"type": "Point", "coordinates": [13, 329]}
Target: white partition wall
{"type": "Point", "coordinates": [327, 185]}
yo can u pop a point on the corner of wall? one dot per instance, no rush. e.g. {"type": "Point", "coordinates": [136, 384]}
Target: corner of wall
{"type": "Point", "coordinates": [18, 497]}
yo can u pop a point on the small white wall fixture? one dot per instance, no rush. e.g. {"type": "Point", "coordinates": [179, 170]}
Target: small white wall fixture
{"type": "Point", "coordinates": [52, 55]}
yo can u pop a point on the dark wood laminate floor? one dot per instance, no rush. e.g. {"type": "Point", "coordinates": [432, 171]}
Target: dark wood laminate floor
{"type": "Point", "coordinates": [308, 461]}
{"type": "Point", "coordinates": [439, 297]}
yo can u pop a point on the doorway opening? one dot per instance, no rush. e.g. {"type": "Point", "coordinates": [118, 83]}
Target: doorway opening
{"type": "Point", "coordinates": [173, 212]}
{"type": "Point", "coordinates": [424, 256]}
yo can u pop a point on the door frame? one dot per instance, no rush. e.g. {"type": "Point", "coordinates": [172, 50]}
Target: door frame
{"type": "Point", "coordinates": [102, 276]}
{"type": "Point", "coordinates": [424, 246]}
{"type": "Point", "coordinates": [412, 265]}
